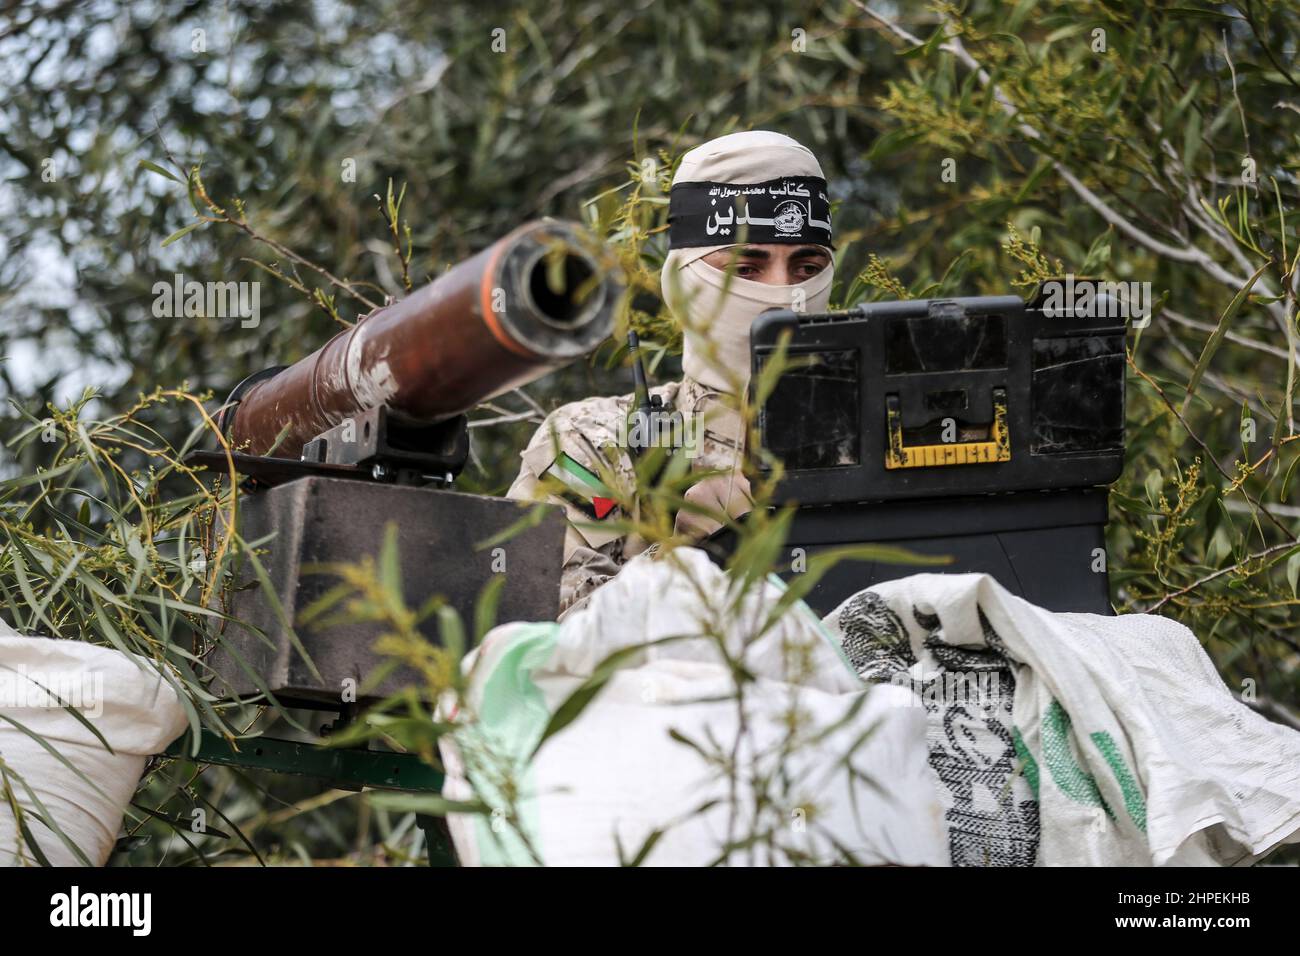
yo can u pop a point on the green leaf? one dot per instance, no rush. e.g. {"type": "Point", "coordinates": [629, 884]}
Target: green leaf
{"type": "Point", "coordinates": [1196, 13]}
{"type": "Point", "coordinates": [29, 840]}
{"type": "Point", "coordinates": [1060, 33]}
{"type": "Point", "coordinates": [1286, 480]}
{"type": "Point", "coordinates": [485, 608]}
{"type": "Point", "coordinates": [390, 562]}
{"type": "Point", "coordinates": [326, 602]}
{"type": "Point", "coordinates": [181, 232]}
{"type": "Point", "coordinates": [821, 563]}
{"type": "Point", "coordinates": [1293, 572]}
{"type": "Point", "coordinates": [1154, 484]}
{"type": "Point", "coordinates": [1216, 337]}
{"type": "Point", "coordinates": [1031, 183]}
{"type": "Point", "coordinates": [272, 598]}
{"type": "Point", "coordinates": [586, 692]}
{"type": "Point", "coordinates": [577, 701]}
{"type": "Point", "coordinates": [24, 585]}
{"type": "Point", "coordinates": [155, 168]}
{"type": "Point", "coordinates": [895, 141]}
{"type": "Point", "coordinates": [451, 631]}
{"type": "Point", "coordinates": [45, 817]}
{"type": "Point", "coordinates": [1098, 255]}
{"type": "Point", "coordinates": [1191, 138]}
{"type": "Point", "coordinates": [646, 848]}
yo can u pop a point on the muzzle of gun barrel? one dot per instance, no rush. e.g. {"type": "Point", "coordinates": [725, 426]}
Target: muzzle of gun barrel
{"type": "Point", "coordinates": [530, 303]}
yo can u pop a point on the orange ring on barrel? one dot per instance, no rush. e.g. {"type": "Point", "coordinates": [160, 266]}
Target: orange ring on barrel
{"type": "Point", "coordinates": [485, 305]}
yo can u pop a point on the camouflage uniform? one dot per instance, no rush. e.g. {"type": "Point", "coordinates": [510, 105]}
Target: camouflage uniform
{"type": "Point", "coordinates": [591, 432]}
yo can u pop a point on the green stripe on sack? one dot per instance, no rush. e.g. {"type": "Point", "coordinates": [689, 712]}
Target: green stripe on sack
{"type": "Point", "coordinates": [512, 718]}
{"type": "Point", "coordinates": [1072, 780]}
{"type": "Point", "coordinates": [1075, 782]}
{"type": "Point", "coordinates": [1134, 802]}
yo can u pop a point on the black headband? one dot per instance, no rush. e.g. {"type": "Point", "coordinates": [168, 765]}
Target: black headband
{"type": "Point", "coordinates": [789, 209]}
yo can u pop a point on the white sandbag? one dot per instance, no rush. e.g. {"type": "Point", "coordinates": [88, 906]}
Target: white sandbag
{"type": "Point", "coordinates": [1137, 752]}
{"type": "Point", "coordinates": [126, 701]}
{"type": "Point", "coordinates": [990, 811]}
{"type": "Point", "coordinates": [616, 775]}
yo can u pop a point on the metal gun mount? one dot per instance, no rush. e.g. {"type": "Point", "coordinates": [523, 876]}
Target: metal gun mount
{"type": "Point", "coordinates": [376, 445]}
{"type": "Point", "coordinates": [377, 418]}
{"type": "Point", "coordinates": [333, 504]}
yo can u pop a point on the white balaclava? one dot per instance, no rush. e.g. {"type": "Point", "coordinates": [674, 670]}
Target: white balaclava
{"type": "Point", "coordinates": [775, 188]}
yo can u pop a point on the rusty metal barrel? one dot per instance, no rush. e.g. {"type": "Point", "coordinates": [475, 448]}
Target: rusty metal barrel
{"type": "Point", "coordinates": [494, 322]}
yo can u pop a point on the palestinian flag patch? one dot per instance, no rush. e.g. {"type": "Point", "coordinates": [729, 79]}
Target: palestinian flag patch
{"type": "Point", "coordinates": [583, 487]}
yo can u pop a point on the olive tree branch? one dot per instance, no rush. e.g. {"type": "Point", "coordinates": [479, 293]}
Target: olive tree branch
{"type": "Point", "coordinates": [1155, 386]}
{"type": "Point", "coordinates": [221, 216]}
{"type": "Point", "coordinates": [1187, 253]}
{"type": "Point", "coordinates": [1286, 545]}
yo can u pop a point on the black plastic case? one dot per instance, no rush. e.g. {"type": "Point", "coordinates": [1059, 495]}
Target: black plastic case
{"type": "Point", "coordinates": [983, 428]}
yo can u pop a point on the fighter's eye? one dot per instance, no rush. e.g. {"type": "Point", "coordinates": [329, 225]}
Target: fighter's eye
{"type": "Point", "coordinates": [746, 271]}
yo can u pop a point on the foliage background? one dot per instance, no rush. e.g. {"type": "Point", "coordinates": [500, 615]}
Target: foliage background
{"type": "Point", "coordinates": [1125, 163]}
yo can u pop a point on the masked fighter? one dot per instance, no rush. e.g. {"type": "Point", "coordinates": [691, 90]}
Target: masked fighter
{"type": "Point", "coordinates": [749, 230]}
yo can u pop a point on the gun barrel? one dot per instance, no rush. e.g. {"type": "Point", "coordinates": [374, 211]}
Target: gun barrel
{"type": "Point", "coordinates": [489, 324]}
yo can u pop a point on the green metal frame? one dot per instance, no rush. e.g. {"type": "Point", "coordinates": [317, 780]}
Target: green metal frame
{"type": "Point", "coordinates": [348, 768]}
